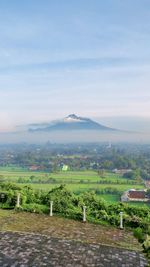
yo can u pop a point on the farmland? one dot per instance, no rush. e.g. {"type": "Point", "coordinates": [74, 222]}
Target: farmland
{"type": "Point", "coordinates": [90, 167]}
{"type": "Point", "coordinates": [109, 187]}
{"type": "Point", "coordinates": [83, 187]}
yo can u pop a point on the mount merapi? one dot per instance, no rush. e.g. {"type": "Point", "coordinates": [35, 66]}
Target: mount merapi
{"type": "Point", "coordinates": [71, 122]}
{"type": "Point", "coordinates": [68, 130]}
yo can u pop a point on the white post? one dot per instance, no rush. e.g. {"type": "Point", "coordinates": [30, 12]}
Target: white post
{"type": "Point", "coordinates": [18, 200]}
{"type": "Point", "coordinates": [51, 208]}
{"type": "Point", "coordinates": [84, 213]}
{"type": "Point", "coordinates": [121, 220]}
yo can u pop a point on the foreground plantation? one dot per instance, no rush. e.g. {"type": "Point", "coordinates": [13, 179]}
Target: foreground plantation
{"type": "Point", "coordinates": [70, 205]}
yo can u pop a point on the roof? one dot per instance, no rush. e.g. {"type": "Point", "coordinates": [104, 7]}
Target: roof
{"type": "Point", "coordinates": [137, 194]}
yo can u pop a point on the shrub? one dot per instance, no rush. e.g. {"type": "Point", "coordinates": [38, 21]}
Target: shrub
{"type": "Point", "coordinates": [75, 213]}
{"type": "Point", "coordinates": [146, 246]}
{"type": "Point", "coordinates": [138, 233]}
{"type": "Point", "coordinates": [35, 208]}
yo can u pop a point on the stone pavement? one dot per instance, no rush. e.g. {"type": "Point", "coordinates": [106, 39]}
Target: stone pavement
{"type": "Point", "coordinates": [35, 250]}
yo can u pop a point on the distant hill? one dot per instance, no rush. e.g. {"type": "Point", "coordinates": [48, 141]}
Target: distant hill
{"type": "Point", "coordinates": [71, 122]}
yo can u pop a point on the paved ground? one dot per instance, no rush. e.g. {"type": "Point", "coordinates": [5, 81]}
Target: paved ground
{"type": "Point", "coordinates": [35, 250]}
{"type": "Point", "coordinates": [58, 227]}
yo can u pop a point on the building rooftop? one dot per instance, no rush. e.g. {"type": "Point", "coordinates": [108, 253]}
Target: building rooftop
{"type": "Point", "coordinates": [137, 194]}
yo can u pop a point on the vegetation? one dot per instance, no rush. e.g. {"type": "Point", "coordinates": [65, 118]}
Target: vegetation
{"type": "Point", "coordinates": [95, 176]}
{"type": "Point", "coordinates": [52, 157]}
{"type": "Point", "coordinates": [70, 205]}
{"type": "Point", "coordinates": [76, 181]}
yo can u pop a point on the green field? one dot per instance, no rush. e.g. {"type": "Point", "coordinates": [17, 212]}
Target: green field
{"type": "Point", "coordinates": [82, 187]}
{"type": "Point", "coordinates": [76, 181]}
{"type": "Point", "coordinates": [109, 198]}
{"type": "Point", "coordinates": [13, 174]}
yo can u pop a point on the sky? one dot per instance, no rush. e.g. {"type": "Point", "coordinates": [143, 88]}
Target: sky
{"type": "Point", "coordinates": [91, 58]}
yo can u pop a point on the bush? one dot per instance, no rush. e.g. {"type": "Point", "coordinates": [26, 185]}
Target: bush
{"type": "Point", "coordinates": [75, 213]}
{"type": "Point", "coordinates": [62, 198]}
{"type": "Point", "coordinates": [138, 233]}
{"type": "Point", "coordinates": [70, 205]}
{"type": "Point", "coordinates": [35, 208]}
{"type": "Point", "coordinates": [146, 246]}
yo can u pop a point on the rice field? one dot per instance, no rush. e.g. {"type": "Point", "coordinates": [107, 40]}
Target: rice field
{"type": "Point", "coordinates": [76, 181]}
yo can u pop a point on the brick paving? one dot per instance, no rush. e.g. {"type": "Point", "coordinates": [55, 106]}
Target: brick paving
{"type": "Point", "coordinates": [68, 229]}
{"type": "Point", "coordinates": [36, 250]}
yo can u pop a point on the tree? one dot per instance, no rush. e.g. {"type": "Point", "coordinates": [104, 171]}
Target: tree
{"type": "Point", "coordinates": [101, 173]}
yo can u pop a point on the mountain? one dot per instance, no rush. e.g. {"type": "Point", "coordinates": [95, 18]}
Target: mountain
{"type": "Point", "coordinates": [71, 122]}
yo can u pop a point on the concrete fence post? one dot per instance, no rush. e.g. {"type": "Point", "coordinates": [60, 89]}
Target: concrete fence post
{"type": "Point", "coordinates": [51, 208]}
{"type": "Point", "coordinates": [84, 213]}
{"type": "Point", "coordinates": [18, 200]}
{"type": "Point", "coordinates": [121, 220]}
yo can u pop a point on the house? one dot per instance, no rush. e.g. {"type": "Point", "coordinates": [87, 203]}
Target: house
{"type": "Point", "coordinates": [65, 168]}
{"type": "Point", "coordinates": [34, 168]}
{"type": "Point", "coordinates": [137, 195]}
{"type": "Point", "coordinates": [147, 184]}
{"type": "Point", "coordinates": [134, 195]}
{"type": "Point", "coordinates": [121, 171]}
{"type": "Point", "coordinates": [124, 197]}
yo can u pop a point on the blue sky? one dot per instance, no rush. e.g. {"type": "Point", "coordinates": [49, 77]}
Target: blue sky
{"type": "Point", "coordinates": [86, 57]}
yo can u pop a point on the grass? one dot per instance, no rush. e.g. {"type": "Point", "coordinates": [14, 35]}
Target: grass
{"type": "Point", "coordinates": [141, 204]}
{"type": "Point", "coordinates": [109, 198]}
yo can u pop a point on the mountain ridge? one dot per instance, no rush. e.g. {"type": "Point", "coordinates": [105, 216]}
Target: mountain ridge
{"type": "Point", "coordinates": [71, 122]}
